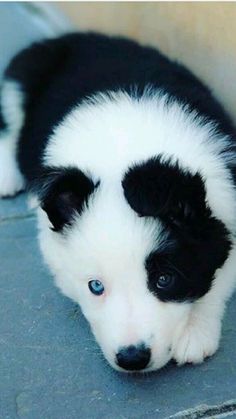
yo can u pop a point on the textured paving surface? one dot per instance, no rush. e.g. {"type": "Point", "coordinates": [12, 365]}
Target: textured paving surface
{"type": "Point", "coordinates": [50, 366]}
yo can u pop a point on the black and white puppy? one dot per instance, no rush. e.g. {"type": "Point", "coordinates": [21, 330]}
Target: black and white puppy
{"type": "Point", "coordinates": [132, 164]}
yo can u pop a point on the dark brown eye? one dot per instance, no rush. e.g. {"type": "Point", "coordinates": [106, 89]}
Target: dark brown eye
{"type": "Point", "coordinates": [165, 281]}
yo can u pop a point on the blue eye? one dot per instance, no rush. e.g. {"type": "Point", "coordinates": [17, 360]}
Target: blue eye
{"type": "Point", "coordinates": [96, 287]}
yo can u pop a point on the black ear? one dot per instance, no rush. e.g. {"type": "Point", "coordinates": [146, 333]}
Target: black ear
{"type": "Point", "coordinates": [64, 192]}
{"type": "Point", "coordinates": [158, 188]}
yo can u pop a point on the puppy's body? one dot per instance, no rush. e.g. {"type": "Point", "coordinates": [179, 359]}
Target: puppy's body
{"type": "Point", "coordinates": [132, 162]}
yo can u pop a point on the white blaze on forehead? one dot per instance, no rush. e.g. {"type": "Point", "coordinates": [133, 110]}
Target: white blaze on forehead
{"type": "Point", "coordinates": [110, 232]}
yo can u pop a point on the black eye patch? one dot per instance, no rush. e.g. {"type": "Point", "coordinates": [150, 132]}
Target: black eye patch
{"type": "Point", "coordinates": [190, 262]}
{"type": "Point", "coordinates": [159, 267]}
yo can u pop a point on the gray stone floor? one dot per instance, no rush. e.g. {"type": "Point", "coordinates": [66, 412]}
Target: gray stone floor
{"type": "Point", "coordinates": [51, 367]}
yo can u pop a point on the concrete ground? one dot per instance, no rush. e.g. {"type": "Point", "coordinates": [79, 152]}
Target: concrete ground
{"type": "Point", "coordinates": [50, 365]}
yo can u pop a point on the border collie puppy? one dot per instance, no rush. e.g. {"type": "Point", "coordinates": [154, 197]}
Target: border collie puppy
{"type": "Point", "coordinates": [131, 162]}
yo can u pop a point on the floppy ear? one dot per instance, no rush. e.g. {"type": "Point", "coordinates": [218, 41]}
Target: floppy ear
{"type": "Point", "coordinates": [63, 193]}
{"type": "Point", "coordinates": [158, 188]}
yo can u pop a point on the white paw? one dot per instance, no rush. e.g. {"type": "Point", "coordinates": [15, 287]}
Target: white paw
{"type": "Point", "coordinates": [11, 180]}
{"type": "Point", "coordinates": [199, 340]}
{"type": "Point", "coordinates": [11, 183]}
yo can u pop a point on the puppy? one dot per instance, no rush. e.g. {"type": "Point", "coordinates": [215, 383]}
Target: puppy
{"type": "Point", "coordinates": [132, 163]}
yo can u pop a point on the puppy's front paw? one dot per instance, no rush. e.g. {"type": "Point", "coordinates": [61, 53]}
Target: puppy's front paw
{"type": "Point", "coordinates": [11, 183]}
{"type": "Point", "coordinates": [199, 340]}
{"type": "Point", "coordinates": [11, 179]}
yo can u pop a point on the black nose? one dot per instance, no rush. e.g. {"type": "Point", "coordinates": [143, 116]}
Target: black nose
{"type": "Point", "coordinates": [133, 357]}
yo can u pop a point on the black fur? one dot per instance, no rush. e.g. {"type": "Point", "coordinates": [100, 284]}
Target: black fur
{"type": "Point", "coordinates": [192, 261]}
{"type": "Point", "coordinates": [196, 243]}
{"type": "Point", "coordinates": [2, 122]}
{"type": "Point", "coordinates": [57, 74]}
{"type": "Point", "coordinates": [63, 193]}
{"type": "Point", "coordinates": [160, 189]}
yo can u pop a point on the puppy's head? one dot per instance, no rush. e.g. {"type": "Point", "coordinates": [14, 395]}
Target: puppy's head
{"type": "Point", "coordinates": [135, 253]}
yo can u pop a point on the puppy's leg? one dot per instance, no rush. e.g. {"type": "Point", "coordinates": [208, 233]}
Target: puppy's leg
{"type": "Point", "coordinates": [200, 338]}
{"type": "Point", "coordinates": [11, 121]}
{"type": "Point", "coordinates": [27, 77]}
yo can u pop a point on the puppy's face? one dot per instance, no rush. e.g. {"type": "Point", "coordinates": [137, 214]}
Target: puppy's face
{"type": "Point", "coordinates": [134, 254]}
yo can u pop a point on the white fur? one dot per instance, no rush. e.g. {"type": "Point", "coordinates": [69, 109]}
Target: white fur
{"type": "Point", "coordinates": [201, 336]}
{"type": "Point", "coordinates": [11, 180]}
{"type": "Point", "coordinates": [103, 137]}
